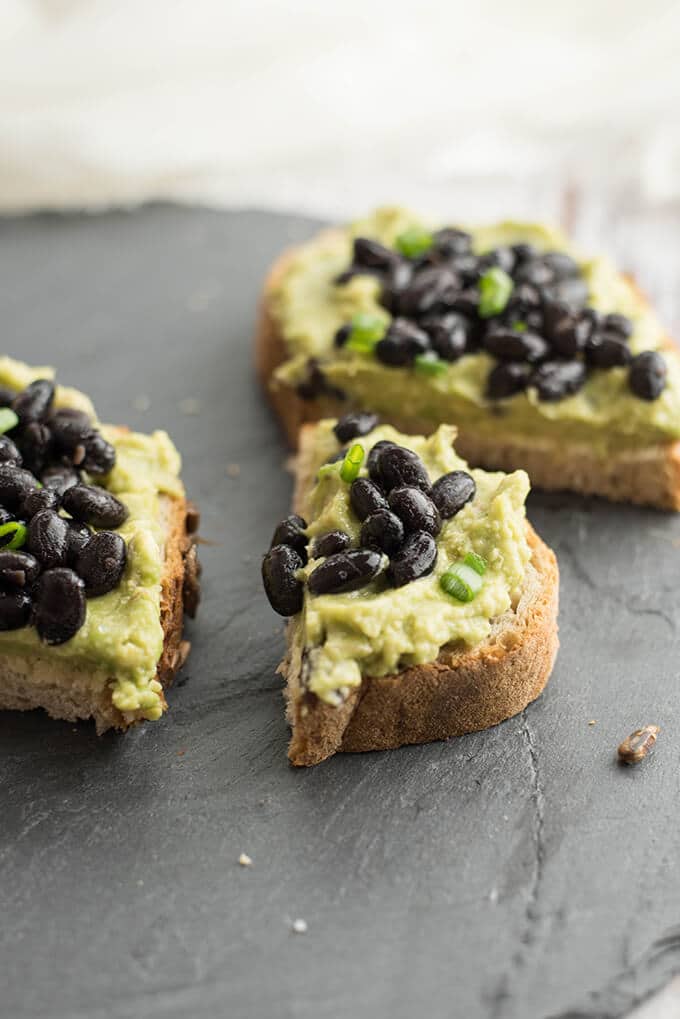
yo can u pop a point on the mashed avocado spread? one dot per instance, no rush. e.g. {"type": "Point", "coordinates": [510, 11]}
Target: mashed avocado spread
{"type": "Point", "coordinates": [122, 633]}
{"type": "Point", "coordinates": [310, 307]}
{"type": "Point", "coordinates": [378, 630]}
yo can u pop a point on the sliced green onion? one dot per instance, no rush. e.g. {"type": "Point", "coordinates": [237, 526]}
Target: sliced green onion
{"type": "Point", "coordinates": [414, 242]}
{"type": "Point", "coordinates": [519, 327]}
{"type": "Point", "coordinates": [495, 287]}
{"type": "Point", "coordinates": [18, 532]}
{"type": "Point", "coordinates": [429, 364]}
{"type": "Point", "coordinates": [477, 562]}
{"type": "Point", "coordinates": [354, 457]}
{"type": "Point", "coordinates": [461, 582]}
{"type": "Point", "coordinates": [367, 330]}
{"type": "Point", "coordinates": [8, 420]}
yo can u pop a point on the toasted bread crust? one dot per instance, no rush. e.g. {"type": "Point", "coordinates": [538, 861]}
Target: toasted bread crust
{"type": "Point", "coordinates": [463, 691]}
{"type": "Point", "coordinates": [72, 695]}
{"type": "Point", "coordinates": [649, 476]}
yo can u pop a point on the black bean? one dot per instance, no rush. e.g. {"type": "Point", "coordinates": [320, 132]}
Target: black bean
{"type": "Point", "coordinates": [6, 516]}
{"type": "Point", "coordinates": [39, 499]}
{"type": "Point", "coordinates": [373, 255]}
{"type": "Point", "coordinates": [9, 452]}
{"type": "Point", "coordinates": [574, 291]}
{"type": "Point", "coordinates": [100, 455]}
{"type": "Point", "coordinates": [535, 272]}
{"type": "Point", "coordinates": [449, 334]}
{"type": "Point", "coordinates": [648, 372]}
{"type": "Point", "coordinates": [416, 558]}
{"type": "Point", "coordinates": [18, 569]}
{"type": "Point", "coordinates": [374, 453]}
{"type": "Point", "coordinates": [335, 457]}
{"type": "Point", "coordinates": [58, 605]}
{"type": "Point", "coordinates": [346, 571]}
{"type": "Point", "coordinates": [366, 498]}
{"type": "Point", "coordinates": [47, 538]}
{"type": "Point", "coordinates": [524, 298]}
{"type": "Point", "coordinates": [291, 531]}
{"type": "Point", "coordinates": [510, 345]}
{"type": "Point", "coordinates": [60, 478]}
{"type": "Point", "coordinates": [343, 334]}
{"type": "Point", "coordinates": [402, 342]}
{"type": "Point", "coordinates": [35, 402]}
{"type": "Point", "coordinates": [382, 531]}
{"type": "Point", "coordinates": [557, 379]}
{"type": "Point", "coordinates": [524, 252]}
{"type": "Point", "coordinates": [398, 279]}
{"type": "Point", "coordinates": [351, 426]}
{"type": "Point", "coordinates": [607, 350]}
{"type": "Point", "coordinates": [503, 257]}
{"type": "Point", "coordinates": [619, 324]}
{"type": "Point", "coordinates": [69, 427]}
{"type": "Point", "coordinates": [15, 485]}
{"type": "Point", "coordinates": [562, 265]}
{"type": "Point", "coordinates": [6, 396]}
{"type": "Point", "coordinates": [330, 543]}
{"type": "Point", "coordinates": [36, 442]}
{"type": "Point", "coordinates": [570, 334]}
{"type": "Point", "coordinates": [467, 302]}
{"type": "Point", "coordinates": [555, 313]}
{"type": "Point", "coordinates": [78, 537]}
{"type": "Point", "coordinates": [95, 506]}
{"type": "Point", "coordinates": [399, 466]}
{"type": "Point", "coordinates": [416, 510]}
{"type": "Point", "coordinates": [101, 564]}
{"type": "Point", "coordinates": [15, 609]}
{"type": "Point", "coordinates": [283, 589]}
{"type": "Point", "coordinates": [506, 379]}
{"type": "Point", "coordinates": [453, 491]}
{"type": "Point", "coordinates": [451, 241]}
{"type": "Point", "coordinates": [432, 287]}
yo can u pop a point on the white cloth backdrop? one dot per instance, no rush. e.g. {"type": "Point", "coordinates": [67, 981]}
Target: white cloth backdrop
{"type": "Point", "coordinates": [330, 107]}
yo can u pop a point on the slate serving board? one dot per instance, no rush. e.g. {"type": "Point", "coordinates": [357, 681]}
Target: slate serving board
{"type": "Point", "coordinates": [515, 873]}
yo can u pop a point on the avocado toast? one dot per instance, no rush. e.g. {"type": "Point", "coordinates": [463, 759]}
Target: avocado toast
{"type": "Point", "coordinates": [421, 602]}
{"type": "Point", "coordinates": [543, 359]}
{"type": "Point", "coordinates": [101, 562]}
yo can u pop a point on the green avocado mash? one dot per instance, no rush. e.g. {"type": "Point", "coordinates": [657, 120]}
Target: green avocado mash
{"type": "Point", "coordinates": [379, 629]}
{"type": "Point", "coordinates": [122, 633]}
{"type": "Point", "coordinates": [310, 307]}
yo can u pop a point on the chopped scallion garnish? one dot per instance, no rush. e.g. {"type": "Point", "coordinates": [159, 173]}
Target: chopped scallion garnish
{"type": "Point", "coordinates": [8, 420]}
{"type": "Point", "coordinates": [429, 364]}
{"type": "Point", "coordinates": [352, 463]}
{"type": "Point", "coordinates": [477, 562]}
{"type": "Point", "coordinates": [519, 327]}
{"type": "Point", "coordinates": [414, 242]}
{"type": "Point", "coordinates": [366, 331]}
{"type": "Point", "coordinates": [18, 534]}
{"type": "Point", "coordinates": [495, 287]}
{"type": "Point", "coordinates": [461, 581]}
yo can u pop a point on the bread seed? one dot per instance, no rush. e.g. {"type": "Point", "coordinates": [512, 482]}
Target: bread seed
{"type": "Point", "coordinates": [638, 744]}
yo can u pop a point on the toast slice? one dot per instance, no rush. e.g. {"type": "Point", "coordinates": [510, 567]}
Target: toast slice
{"type": "Point", "coordinates": [463, 689]}
{"type": "Point", "coordinates": [615, 463]}
{"type": "Point", "coordinates": [69, 680]}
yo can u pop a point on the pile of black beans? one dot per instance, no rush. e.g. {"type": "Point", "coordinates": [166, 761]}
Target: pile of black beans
{"type": "Point", "coordinates": [544, 336]}
{"type": "Point", "coordinates": [401, 514]}
{"type": "Point", "coordinates": [60, 561]}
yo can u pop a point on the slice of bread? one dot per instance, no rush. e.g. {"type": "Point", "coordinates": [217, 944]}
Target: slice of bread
{"type": "Point", "coordinates": [462, 691]}
{"type": "Point", "coordinates": [647, 476]}
{"type": "Point", "coordinates": [72, 691]}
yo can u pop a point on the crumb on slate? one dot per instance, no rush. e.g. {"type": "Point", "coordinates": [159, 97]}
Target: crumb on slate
{"type": "Point", "coordinates": [190, 405]}
{"type": "Point", "coordinates": [233, 470]}
{"type": "Point", "coordinates": [299, 926]}
{"type": "Point", "coordinates": [245, 860]}
{"type": "Point", "coordinates": [142, 403]}
{"type": "Point", "coordinates": [593, 721]}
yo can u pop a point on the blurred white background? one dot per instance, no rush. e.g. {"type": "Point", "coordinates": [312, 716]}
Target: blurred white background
{"type": "Point", "coordinates": [330, 107]}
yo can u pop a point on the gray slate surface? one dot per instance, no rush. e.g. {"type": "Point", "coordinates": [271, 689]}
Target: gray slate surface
{"type": "Point", "coordinates": [516, 873]}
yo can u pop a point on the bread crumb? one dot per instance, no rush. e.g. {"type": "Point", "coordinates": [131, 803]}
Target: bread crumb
{"type": "Point", "coordinates": [593, 721]}
{"type": "Point", "coordinates": [245, 860]}
{"type": "Point", "coordinates": [190, 405]}
{"type": "Point", "coordinates": [233, 470]}
{"type": "Point", "coordinates": [142, 403]}
{"type": "Point", "coordinates": [299, 926]}
{"type": "Point", "coordinates": [493, 896]}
